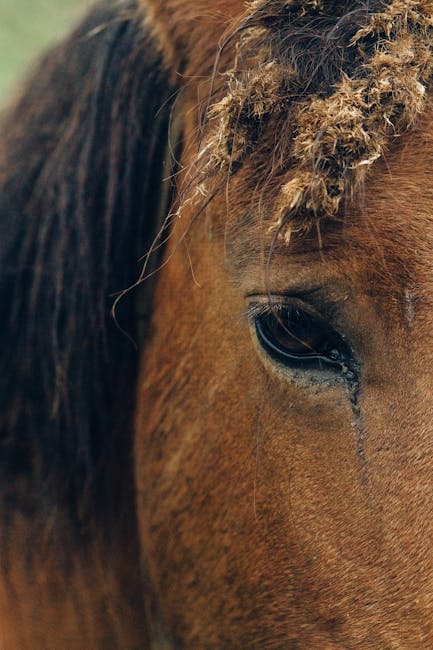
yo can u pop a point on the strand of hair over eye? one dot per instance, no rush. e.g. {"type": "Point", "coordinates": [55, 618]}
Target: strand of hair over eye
{"type": "Point", "coordinates": [337, 138]}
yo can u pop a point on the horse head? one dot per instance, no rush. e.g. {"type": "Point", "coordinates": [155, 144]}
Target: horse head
{"type": "Point", "coordinates": [257, 470]}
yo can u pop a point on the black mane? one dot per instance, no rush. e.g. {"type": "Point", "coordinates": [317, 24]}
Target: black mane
{"type": "Point", "coordinates": [80, 173]}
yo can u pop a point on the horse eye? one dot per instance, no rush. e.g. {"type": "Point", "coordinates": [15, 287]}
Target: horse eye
{"type": "Point", "coordinates": [296, 339]}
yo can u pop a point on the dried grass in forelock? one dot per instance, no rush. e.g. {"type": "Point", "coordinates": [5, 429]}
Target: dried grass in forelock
{"type": "Point", "coordinates": [251, 98]}
{"type": "Point", "coordinates": [339, 135]}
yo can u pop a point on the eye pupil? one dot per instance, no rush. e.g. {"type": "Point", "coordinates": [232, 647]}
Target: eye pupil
{"type": "Point", "coordinates": [294, 330]}
{"type": "Point", "coordinates": [297, 339]}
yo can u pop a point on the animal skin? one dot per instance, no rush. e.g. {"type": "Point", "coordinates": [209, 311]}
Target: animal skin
{"type": "Point", "coordinates": [167, 482]}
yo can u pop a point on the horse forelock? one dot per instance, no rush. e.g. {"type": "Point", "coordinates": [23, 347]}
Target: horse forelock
{"type": "Point", "coordinates": [324, 88]}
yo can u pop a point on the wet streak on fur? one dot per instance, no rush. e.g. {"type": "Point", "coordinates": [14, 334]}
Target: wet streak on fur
{"type": "Point", "coordinates": [79, 175]}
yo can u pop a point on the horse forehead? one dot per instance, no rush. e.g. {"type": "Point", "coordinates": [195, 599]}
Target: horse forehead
{"type": "Point", "coordinates": [390, 222]}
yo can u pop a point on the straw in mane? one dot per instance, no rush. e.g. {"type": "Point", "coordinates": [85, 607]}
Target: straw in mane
{"type": "Point", "coordinates": [345, 108]}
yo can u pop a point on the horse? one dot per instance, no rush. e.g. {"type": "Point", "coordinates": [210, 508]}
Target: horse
{"type": "Point", "coordinates": [216, 296]}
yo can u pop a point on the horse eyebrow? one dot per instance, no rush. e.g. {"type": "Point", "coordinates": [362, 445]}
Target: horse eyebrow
{"type": "Point", "coordinates": [361, 81]}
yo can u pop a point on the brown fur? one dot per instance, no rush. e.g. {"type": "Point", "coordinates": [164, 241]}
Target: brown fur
{"type": "Point", "coordinates": [273, 514]}
{"type": "Point", "coordinates": [187, 33]}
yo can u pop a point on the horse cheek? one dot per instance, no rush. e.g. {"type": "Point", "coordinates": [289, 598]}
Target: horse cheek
{"type": "Point", "coordinates": [232, 492]}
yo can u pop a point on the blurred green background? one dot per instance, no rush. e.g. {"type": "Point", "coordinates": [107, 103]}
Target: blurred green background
{"type": "Point", "coordinates": [27, 27]}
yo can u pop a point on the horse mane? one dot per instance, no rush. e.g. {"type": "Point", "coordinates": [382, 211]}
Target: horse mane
{"type": "Point", "coordinates": [80, 178]}
{"type": "Point", "coordinates": [338, 81]}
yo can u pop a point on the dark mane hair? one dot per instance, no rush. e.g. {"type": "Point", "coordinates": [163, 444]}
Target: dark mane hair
{"type": "Point", "coordinates": [80, 177]}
